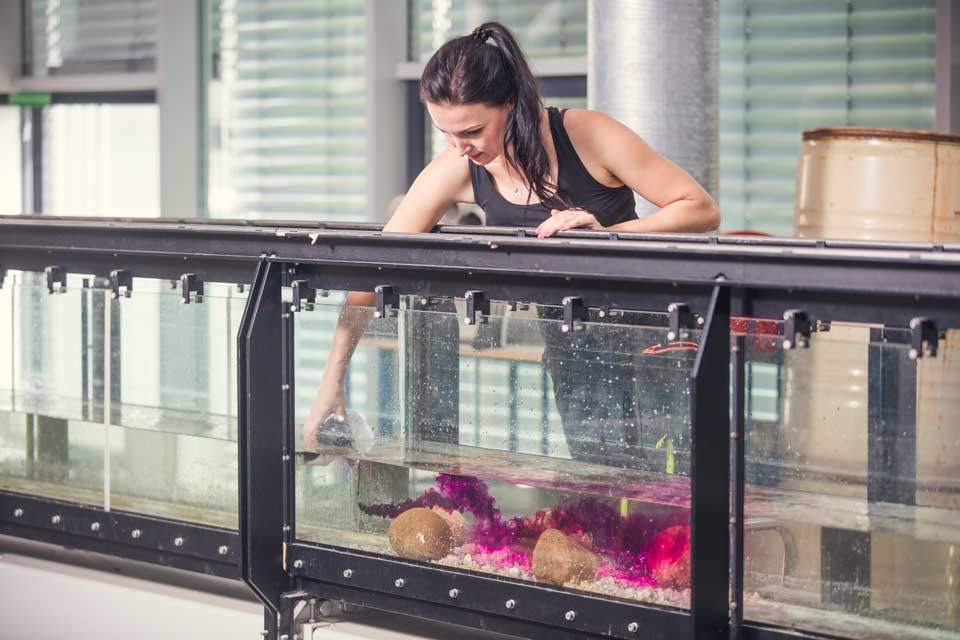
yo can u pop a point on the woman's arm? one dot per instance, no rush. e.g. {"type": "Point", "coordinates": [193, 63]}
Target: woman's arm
{"type": "Point", "coordinates": [684, 205]}
{"type": "Point", "coordinates": [445, 181]}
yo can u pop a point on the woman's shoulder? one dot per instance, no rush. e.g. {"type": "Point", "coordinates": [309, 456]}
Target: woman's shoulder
{"type": "Point", "coordinates": [450, 172]}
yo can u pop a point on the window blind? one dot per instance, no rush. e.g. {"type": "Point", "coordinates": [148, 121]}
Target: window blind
{"type": "Point", "coordinates": [790, 66]}
{"type": "Point", "coordinates": [90, 36]}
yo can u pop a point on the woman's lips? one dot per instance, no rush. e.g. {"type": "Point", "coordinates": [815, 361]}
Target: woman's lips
{"type": "Point", "coordinates": [474, 158]}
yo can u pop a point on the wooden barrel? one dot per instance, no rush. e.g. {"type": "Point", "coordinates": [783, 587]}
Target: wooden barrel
{"type": "Point", "coordinates": [878, 184]}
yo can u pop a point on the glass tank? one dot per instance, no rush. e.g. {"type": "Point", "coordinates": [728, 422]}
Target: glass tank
{"type": "Point", "coordinates": [121, 403]}
{"type": "Point", "coordinates": [508, 447]}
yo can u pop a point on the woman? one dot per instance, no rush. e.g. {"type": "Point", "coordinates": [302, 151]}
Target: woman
{"type": "Point", "coordinates": [525, 166]}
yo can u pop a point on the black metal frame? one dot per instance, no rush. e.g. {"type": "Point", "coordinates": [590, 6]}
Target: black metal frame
{"type": "Point", "coordinates": [714, 277]}
{"type": "Point", "coordinates": [173, 543]}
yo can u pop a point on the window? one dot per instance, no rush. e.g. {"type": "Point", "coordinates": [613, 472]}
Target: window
{"type": "Point", "coordinates": [786, 67]}
{"type": "Point", "coordinates": [287, 115]}
{"type": "Point", "coordinates": [90, 36]}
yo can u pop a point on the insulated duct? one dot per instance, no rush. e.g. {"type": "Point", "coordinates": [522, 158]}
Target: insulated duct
{"type": "Point", "coordinates": [653, 65]}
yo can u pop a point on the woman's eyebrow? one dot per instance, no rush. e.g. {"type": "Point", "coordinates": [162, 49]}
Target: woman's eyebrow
{"type": "Point", "coordinates": [467, 130]}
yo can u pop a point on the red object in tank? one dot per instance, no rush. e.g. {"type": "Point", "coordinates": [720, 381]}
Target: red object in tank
{"type": "Point", "coordinates": [668, 558]}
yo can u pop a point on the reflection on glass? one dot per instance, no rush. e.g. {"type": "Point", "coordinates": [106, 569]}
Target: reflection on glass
{"type": "Point", "coordinates": [851, 505]}
{"type": "Point", "coordinates": [125, 403]}
{"type": "Point", "coordinates": [515, 448]}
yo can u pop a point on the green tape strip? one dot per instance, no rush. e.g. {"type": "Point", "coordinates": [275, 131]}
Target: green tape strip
{"type": "Point", "coordinates": [29, 99]}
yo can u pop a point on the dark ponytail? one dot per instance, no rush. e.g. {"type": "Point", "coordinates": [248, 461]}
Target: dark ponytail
{"type": "Point", "coordinates": [468, 70]}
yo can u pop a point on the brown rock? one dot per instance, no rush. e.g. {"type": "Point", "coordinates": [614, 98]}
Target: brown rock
{"type": "Point", "coordinates": [456, 522]}
{"type": "Point", "coordinates": [420, 534]}
{"type": "Point", "coordinates": [557, 559]}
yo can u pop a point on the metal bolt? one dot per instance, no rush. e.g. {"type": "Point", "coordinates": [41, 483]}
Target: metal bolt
{"type": "Point", "coordinates": [570, 616]}
{"type": "Point", "coordinates": [95, 526]}
{"type": "Point", "coordinates": [671, 336]}
{"type": "Point", "coordinates": [511, 604]}
{"type": "Point", "coordinates": [633, 627]}
{"type": "Point", "coordinates": [18, 513]}
{"type": "Point", "coordinates": [285, 387]}
{"type": "Point", "coordinates": [135, 534]}
{"type": "Point", "coordinates": [285, 457]}
{"type": "Point", "coordinates": [298, 564]}
{"type": "Point", "coordinates": [347, 573]}
{"type": "Point", "coordinates": [178, 542]}
{"type": "Point", "coordinates": [398, 583]}
{"type": "Point", "coordinates": [223, 550]}
{"type": "Point", "coordinates": [55, 519]}
{"type": "Point", "coordinates": [286, 528]}
{"type": "Point", "coordinates": [700, 321]}
{"type": "Point", "coordinates": [454, 593]}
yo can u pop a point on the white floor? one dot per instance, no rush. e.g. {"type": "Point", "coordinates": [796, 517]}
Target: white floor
{"type": "Point", "coordinates": [47, 593]}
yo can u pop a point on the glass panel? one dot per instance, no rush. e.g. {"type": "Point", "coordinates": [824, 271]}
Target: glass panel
{"type": "Point", "coordinates": [50, 444]}
{"type": "Point", "coordinates": [852, 514]}
{"type": "Point", "coordinates": [143, 388]}
{"type": "Point", "coordinates": [504, 431]}
{"type": "Point", "coordinates": [544, 29]}
{"type": "Point", "coordinates": [173, 447]}
{"type": "Point", "coordinates": [90, 36]}
{"type": "Point", "coordinates": [119, 149]}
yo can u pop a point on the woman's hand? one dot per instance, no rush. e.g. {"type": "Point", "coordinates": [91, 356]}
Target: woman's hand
{"type": "Point", "coordinates": [329, 400]}
{"type": "Point", "coordinates": [567, 219]}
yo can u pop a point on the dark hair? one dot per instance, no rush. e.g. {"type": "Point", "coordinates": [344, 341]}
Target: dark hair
{"type": "Point", "coordinates": [467, 70]}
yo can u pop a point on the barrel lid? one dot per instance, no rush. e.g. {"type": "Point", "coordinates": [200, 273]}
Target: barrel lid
{"type": "Point", "coordinates": [827, 133]}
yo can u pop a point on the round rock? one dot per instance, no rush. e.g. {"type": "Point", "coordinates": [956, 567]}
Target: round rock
{"type": "Point", "coordinates": [420, 534]}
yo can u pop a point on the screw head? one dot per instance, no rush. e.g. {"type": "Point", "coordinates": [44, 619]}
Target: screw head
{"type": "Point", "coordinates": [95, 526]}
{"type": "Point", "coordinates": [347, 573]}
{"type": "Point", "coordinates": [511, 604]}
{"type": "Point", "coordinates": [570, 616]}
{"type": "Point", "coordinates": [633, 627]}
{"type": "Point", "coordinates": [454, 593]}
{"type": "Point", "coordinates": [178, 542]}
{"type": "Point", "coordinates": [298, 564]}
{"type": "Point", "coordinates": [55, 519]}
{"type": "Point", "coordinates": [223, 550]}
{"type": "Point", "coordinates": [18, 513]}
{"type": "Point", "coordinates": [398, 583]}
{"type": "Point", "coordinates": [135, 534]}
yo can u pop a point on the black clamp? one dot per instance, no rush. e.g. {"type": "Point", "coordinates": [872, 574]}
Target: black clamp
{"type": "Point", "coordinates": [388, 300]}
{"type": "Point", "coordinates": [56, 279]}
{"type": "Point", "coordinates": [574, 312]}
{"type": "Point", "coordinates": [477, 303]}
{"type": "Point", "coordinates": [121, 278]}
{"type": "Point", "coordinates": [797, 328]}
{"type": "Point", "coordinates": [304, 296]}
{"type": "Point", "coordinates": [923, 338]}
{"type": "Point", "coordinates": [681, 318]}
{"type": "Point", "coordinates": [191, 283]}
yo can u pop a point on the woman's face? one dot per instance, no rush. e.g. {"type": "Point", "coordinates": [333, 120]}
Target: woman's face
{"type": "Point", "coordinates": [474, 130]}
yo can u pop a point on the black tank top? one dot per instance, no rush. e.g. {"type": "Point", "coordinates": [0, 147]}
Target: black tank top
{"type": "Point", "coordinates": [574, 184]}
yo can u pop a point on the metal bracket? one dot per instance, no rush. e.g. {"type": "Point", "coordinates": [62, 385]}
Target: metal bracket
{"type": "Point", "coordinates": [56, 279]}
{"type": "Point", "coordinates": [191, 283]}
{"type": "Point", "coordinates": [304, 296]}
{"type": "Point", "coordinates": [477, 303]}
{"type": "Point", "coordinates": [388, 300]}
{"type": "Point", "coordinates": [924, 338]}
{"type": "Point", "coordinates": [797, 328]}
{"type": "Point", "coordinates": [574, 312]}
{"type": "Point", "coordinates": [681, 318]}
{"type": "Point", "coordinates": [121, 278]}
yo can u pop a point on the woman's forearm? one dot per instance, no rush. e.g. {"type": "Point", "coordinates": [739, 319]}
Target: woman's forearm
{"type": "Point", "coordinates": [354, 316]}
{"type": "Point", "coordinates": [694, 216]}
